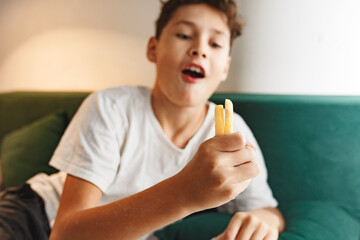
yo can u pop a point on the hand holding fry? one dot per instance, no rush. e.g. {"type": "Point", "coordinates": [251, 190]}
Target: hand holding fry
{"type": "Point", "coordinates": [220, 170]}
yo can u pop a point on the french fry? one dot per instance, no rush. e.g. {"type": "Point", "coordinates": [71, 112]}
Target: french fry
{"type": "Point", "coordinates": [219, 120]}
{"type": "Point", "coordinates": [228, 116]}
{"type": "Point", "coordinates": [224, 126]}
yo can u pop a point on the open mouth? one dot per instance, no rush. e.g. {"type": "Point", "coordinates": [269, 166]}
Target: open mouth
{"type": "Point", "coordinates": [194, 72]}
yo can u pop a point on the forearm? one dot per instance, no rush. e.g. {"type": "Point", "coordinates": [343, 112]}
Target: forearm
{"type": "Point", "coordinates": [128, 218]}
{"type": "Point", "coordinates": [272, 216]}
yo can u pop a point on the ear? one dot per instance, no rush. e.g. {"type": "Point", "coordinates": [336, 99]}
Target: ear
{"type": "Point", "coordinates": [226, 69]}
{"type": "Point", "coordinates": [151, 49]}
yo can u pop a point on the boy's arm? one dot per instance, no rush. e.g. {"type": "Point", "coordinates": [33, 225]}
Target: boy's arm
{"type": "Point", "coordinates": [265, 223]}
{"type": "Point", "coordinates": [80, 217]}
{"type": "Point", "coordinates": [219, 171]}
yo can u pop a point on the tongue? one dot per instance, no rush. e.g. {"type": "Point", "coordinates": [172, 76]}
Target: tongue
{"type": "Point", "coordinates": [193, 74]}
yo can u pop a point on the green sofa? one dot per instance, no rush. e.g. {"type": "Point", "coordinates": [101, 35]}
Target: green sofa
{"type": "Point", "coordinates": [311, 146]}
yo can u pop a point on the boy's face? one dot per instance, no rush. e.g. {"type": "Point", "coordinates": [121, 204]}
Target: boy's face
{"type": "Point", "coordinates": [191, 55]}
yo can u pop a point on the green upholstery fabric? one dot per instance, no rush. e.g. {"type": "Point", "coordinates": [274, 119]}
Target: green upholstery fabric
{"type": "Point", "coordinates": [27, 151]}
{"type": "Point", "coordinates": [198, 227]}
{"type": "Point", "coordinates": [319, 220]}
{"type": "Point", "coordinates": [20, 108]}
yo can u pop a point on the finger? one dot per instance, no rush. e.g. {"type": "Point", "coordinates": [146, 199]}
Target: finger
{"type": "Point", "coordinates": [248, 227]}
{"type": "Point", "coordinates": [259, 233]}
{"type": "Point", "coordinates": [245, 171]}
{"type": "Point", "coordinates": [233, 227]}
{"type": "Point", "coordinates": [229, 142]}
{"type": "Point", "coordinates": [236, 158]}
{"type": "Point", "coordinates": [272, 235]}
{"type": "Point", "coordinates": [242, 156]}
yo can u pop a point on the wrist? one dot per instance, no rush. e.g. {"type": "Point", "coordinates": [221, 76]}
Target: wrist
{"type": "Point", "coordinates": [183, 199]}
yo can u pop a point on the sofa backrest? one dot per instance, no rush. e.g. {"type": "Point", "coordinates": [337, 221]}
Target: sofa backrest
{"type": "Point", "coordinates": [20, 108]}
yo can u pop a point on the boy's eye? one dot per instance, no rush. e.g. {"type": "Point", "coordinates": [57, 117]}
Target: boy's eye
{"type": "Point", "coordinates": [183, 36]}
{"type": "Point", "coordinates": [215, 45]}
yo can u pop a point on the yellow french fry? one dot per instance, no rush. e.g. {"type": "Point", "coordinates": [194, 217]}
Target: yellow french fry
{"type": "Point", "coordinates": [228, 116]}
{"type": "Point", "coordinates": [219, 120]}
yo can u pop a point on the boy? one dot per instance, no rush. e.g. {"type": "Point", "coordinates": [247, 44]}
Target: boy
{"type": "Point", "coordinates": [134, 160]}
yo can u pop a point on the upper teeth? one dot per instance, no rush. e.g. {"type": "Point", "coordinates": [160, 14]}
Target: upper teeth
{"type": "Point", "coordinates": [195, 69]}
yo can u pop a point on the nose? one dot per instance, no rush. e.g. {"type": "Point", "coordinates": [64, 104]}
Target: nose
{"type": "Point", "coordinates": [198, 50]}
{"type": "Point", "coordinates": [195, 52]}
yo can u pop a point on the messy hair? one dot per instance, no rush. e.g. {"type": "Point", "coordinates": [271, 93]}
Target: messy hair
{"type": "Point", "coordinates": [228, 7]}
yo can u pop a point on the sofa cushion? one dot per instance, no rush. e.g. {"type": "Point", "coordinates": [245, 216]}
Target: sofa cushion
{"type": "Point", "coordinates": [27, 151]}
{"type": "Point", "coordinates": [321, 220]}
{"type": "Point", "coordinates": [203, 226]}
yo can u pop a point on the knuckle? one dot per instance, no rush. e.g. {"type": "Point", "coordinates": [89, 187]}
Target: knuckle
{"type": "Point", "coordinates": [252, 220]}
{"type": "Point", "coordinates": [212, 165]}
{"type": "Point", "coordinates": [206, 151]}
{"type": "Point", "coordinates": [229, 193]}
{"type": "Point", "coordinates": [239, 215]}
{"type": "Point", "coordinates": [204, 147]}
{"type": "Point", "coordinates": [219, 180]}
{"type": "Point", "coordinates": [240, 139]}
{"type": "Point", "coordinates": [263, 226]}
{"type": "Point", "coordinates": [227, 236]}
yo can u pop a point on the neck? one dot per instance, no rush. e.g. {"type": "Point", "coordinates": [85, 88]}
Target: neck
{"type": "Point", "coordinates": [179, 123]}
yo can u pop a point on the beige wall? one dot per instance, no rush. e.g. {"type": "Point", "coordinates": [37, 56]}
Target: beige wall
{"type": "Point", "coordinates": [75, 45]}
{"type": "Point", "coordinates": [290, 47]}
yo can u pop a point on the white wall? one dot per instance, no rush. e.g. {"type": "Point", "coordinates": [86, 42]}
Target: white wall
{"type": "Point", "coordinates": [288, 46]}
{"type": "Point", "coordinates": [293, 46]}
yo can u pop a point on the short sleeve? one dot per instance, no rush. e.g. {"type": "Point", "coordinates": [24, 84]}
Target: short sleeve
{"type": "Point", "coordinates": [89, 149]}
{"type": "Point", "coordinates": [258, 194]}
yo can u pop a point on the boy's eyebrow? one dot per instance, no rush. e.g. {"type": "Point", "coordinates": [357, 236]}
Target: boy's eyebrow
{"type": "Point", "coordinates": [184, 22]}
{"type": "Point", "coordinates": [191, 24]}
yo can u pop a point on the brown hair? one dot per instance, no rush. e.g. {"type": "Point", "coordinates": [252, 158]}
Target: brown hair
{"type": "Point", "coordinates": [226, 6]}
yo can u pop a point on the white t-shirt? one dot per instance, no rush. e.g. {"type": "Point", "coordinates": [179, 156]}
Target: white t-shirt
{"type": "Point", "coordinates": [115, 142]}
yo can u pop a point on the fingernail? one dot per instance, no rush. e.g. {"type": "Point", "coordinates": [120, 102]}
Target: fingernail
{"type": "Point", "coordinates": [250, 145]}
